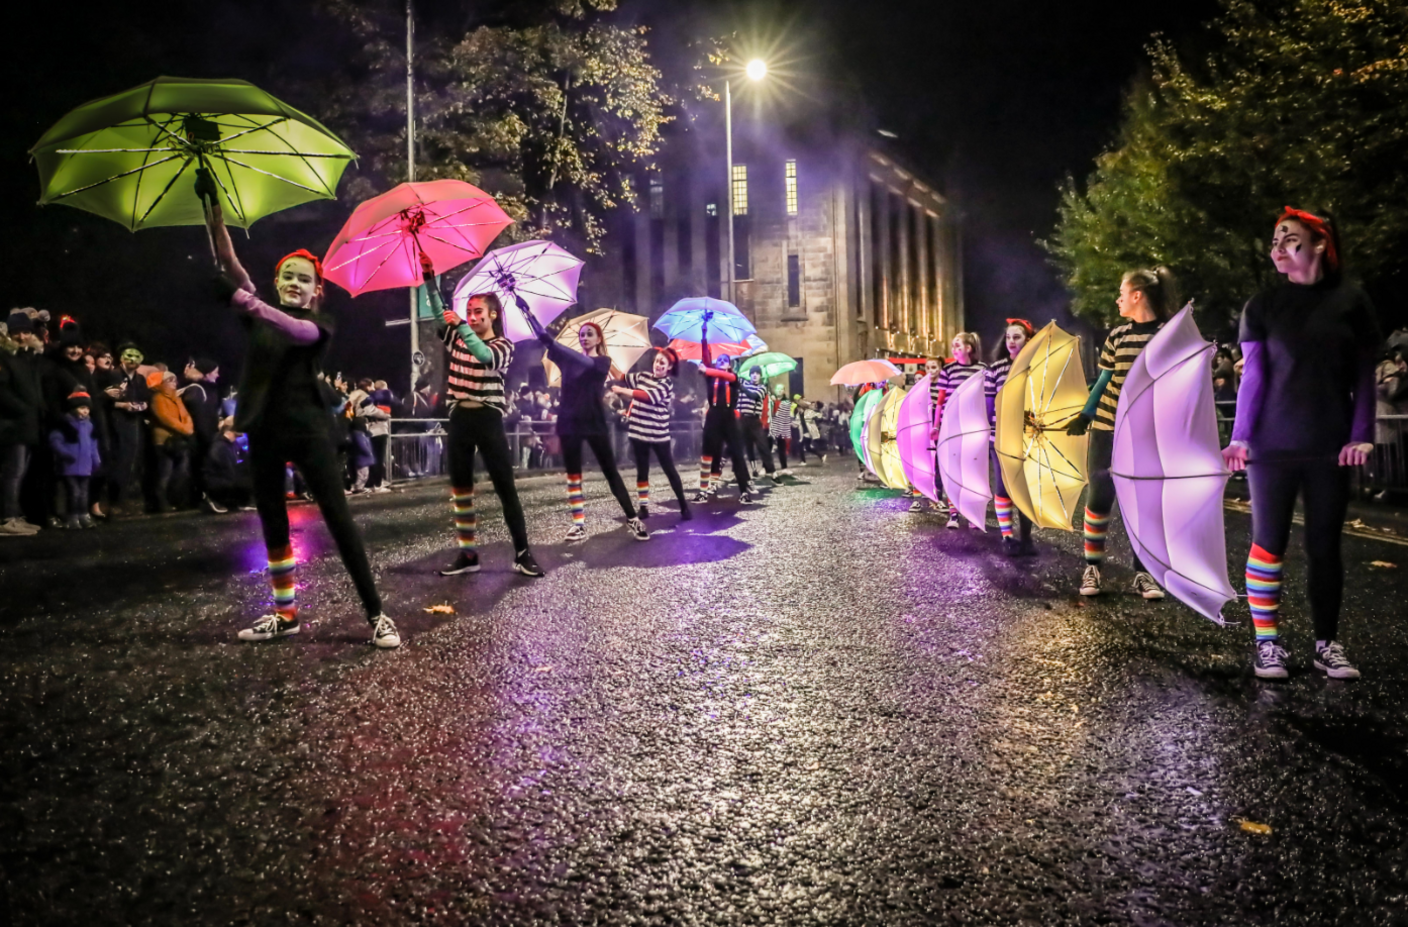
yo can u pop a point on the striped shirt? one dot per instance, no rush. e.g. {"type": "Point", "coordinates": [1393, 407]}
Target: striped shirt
{"type": "Point", "coordinates": [994, 379]}
{"type": "Point", "coordinates": [472, 379]}
{"type": "Point", "coordinates": [649, 419]}
{"type": "Point", "coordinates": [953, 375]}
{"type": "Point", "coordinates": [781, 425]}
{"type": "Point", "coordinates": [751, 397]}
{"type": "Point", "coordinates": [1125, 343]}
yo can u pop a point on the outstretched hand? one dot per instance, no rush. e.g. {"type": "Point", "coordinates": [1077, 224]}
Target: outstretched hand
{"type": "Point", "coordinates": [205, 185]}
{"type": "Point", "coordinates": [1078, 425]}
{"type": "Point", "coordinates": [427, 268]}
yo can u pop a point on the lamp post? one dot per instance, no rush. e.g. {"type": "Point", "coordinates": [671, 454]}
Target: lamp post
{"type": "Point", "coordinates": [410, 177]}
{"type": "Point", "coordinates": [756, 70]}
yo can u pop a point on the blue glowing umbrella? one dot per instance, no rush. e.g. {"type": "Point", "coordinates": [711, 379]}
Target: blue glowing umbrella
{"type": "Point", "coordinates": [685, 321]}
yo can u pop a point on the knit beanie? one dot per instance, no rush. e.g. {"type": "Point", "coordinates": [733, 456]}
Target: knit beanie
{"type": "Point", "coordinates": [19, 323]}
{"type": "Point", "coordinates": [79, 399]}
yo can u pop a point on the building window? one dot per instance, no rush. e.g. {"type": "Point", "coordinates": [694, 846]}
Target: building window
{"type": "Point", "coordinates": [740, 189]}
{"type": "Point", "coordinates": [790, 179]}
{"type": "Point", "coordinates": [711, 209]}
{"type": "Point", "coordinates": [657, 198]}
{"type": "Point", "coordinates": [794, 280]}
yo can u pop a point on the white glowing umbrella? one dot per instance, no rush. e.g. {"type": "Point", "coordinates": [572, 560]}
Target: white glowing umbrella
{"type": "Point", "coordinates": [539, 272]}
{"type": "Point", "coordinates": [916, 453]}
{"type": "Point", "coordinates": [963, 451]}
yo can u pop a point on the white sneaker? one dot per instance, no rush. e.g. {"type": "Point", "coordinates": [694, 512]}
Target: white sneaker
{"type": "Point", "coordinates": [18, 527]}
{"type": "Point", "coordinates": [213, 506]}
{"type": "Point", "coordinates": [269, 627]}
{"type": "Point", "coordinates": [1090, 582]}
{"type": "Point", "coordinates": [637, 529]}
{"type": "Point", "coordinates": [384, 633]}
{"type": "Point", "coordinates": [382, 487]}
{"type": "Point", "coordinates": [917, 505]}
{"type": "Point", "coordinates": [576, 533]}
{"type": "Point", "coordinates": [952, 520]}
{"type": "Point", "coordinates": [1145, 586]}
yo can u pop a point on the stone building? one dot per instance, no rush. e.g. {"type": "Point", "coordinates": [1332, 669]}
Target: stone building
{"type": "Point", "coordinates": [841, 253]}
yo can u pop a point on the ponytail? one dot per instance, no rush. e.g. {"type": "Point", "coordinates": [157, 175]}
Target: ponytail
{"type": "Point", "coordinates": [1158, 287]}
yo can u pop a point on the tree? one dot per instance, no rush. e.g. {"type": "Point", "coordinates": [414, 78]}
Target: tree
{"type": "Point", "coordinates": [1299, 102]}
{"type": "Point", "coordinates": [550, 108]}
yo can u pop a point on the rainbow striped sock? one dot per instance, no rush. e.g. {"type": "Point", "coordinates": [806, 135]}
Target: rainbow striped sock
{"type": "Point", "coordinates": [575, 500]}
{"type": "Point", "coordinates": [1003, 506]}
{"type": "Point", "coordinates": [1096, 527]}
{"type": "Point", "coordinates": [643, 492]}
{"type": "Point", "coordinates": [1264, 591]}
{"type": "Point", "coordinates": [706, 466]}
{"type": "Point", "coordinates": [281, 567]}
{"type": "Point", "coordinates": [466, 519]}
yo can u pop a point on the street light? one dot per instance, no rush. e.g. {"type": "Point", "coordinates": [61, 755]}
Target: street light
{"type": "Point", "coordinates": [756, 70]}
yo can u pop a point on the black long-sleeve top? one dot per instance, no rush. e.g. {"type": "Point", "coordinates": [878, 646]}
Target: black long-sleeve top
{"type": "Point", "coordinates": [580, 411]}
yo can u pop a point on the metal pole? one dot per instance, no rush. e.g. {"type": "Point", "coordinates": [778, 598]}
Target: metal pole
{"type": "Point", "coordinates": [728, 187]}
{"type": "Point", "coordinates": [411, 176]}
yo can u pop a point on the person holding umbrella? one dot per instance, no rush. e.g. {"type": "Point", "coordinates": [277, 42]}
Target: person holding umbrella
{"type": "Point", "coordinates": [1014, 337]}
{"type": "Point", "coordinates": [752, 408]}
{"type": "Point", "coordinates": [582, 419]}
{"type": "Point", "coordinates": [721, 421]}
{"type": "Point", "coordinates": [479, 357]}
{"type": "Point", "coordinates": [282, 411]}
{"type": "Point", "coordinates": [652, 395]}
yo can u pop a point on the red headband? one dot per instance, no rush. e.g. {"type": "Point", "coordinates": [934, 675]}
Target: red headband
{"type": "Point", "coordinates": [308, 256]}
{"type": "Point", "coordinates": [1320, 227]}
{"type": "Point", "coordinates": [1024, 325]}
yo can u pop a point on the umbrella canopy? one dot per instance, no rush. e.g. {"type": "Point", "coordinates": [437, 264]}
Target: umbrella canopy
{"type": "Point", "coordinates": [693, 352]}
{"type": "Point", "coordinates": [131, 157]}
{"type": "Point", "coordinates": [380, 245]}
{"type": "Point", "coordinates": [866, 371]}
{"type": "Point", "coordinates": [627, 338]}
{"type": "Point", "coordinates": [541, 273]}
{"type": "Point", "coordinates": [1042, 466]}
{"type": "Point", "coordinates": [912, 433]}
{"type": "Point", "coordinates": [1168, 469]}
{"type": "Point", "coordinates": [963, 451]}
{"type": "Point", "coordinates": [860, 416]}
{"type": "Point", "coordinates": [772, 363]}
{"type": "Point", "coordinates": [889, 467]}
{"type": "Point", "coordinates": [685, 319]}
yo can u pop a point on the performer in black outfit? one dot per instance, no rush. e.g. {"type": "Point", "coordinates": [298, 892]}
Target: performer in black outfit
{"type": "Point", "coordinates": [282, 411]}
{"type": "Point", "coordinates": [1305, 415]}
{"type": "Point", "coordinates": [721, 421]}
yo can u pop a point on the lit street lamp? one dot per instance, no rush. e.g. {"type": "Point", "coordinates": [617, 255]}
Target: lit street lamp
{"type": "Point", "coordinates": [756, 70]}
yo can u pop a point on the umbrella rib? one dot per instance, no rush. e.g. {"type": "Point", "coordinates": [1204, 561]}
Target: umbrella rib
{"type": "Point", "coordinates": [251, 167]}
{"type": "Point", "coordinates": [285, 154]}
{"type": "Point", "coordinates": [106, 180]}
{"type": "Point", "coordinates": [136, 194]}
{"type": "Point", "coordinates": [232, 193]}
{"type": "Point", "coordinates": [331, 193]}
{"type": "Point", "coordinates": [469, 250]}
{"type": "Point", "coordinates": [73, 151]}
{"type": "Point", "coordinates": [1064, 367]}
{"type": "Point", "coordinates": [174, 177]}
{"type": "Point", "coordinates": [360, 256]}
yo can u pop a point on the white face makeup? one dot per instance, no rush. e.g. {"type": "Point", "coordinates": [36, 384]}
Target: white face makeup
{"type": "Point", "coordinates": [588, 339]}
{"type": "Point", "coordinates": [661, 366]}
{"type": "Point", "coordinates": [961, 352]}
{"type": "Point", "coordinates": [1296, 253]}
{"type": "Point", "coordinates": [931, 367]}
{"type": "Point", "coordinates": [297, 283]}
{"type": "Point", "coordinates": [480, 317]}
{"type": "Point", "coordinates": [1015, 338]}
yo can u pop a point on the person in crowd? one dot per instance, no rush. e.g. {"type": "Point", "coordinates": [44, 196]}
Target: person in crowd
{"type": "Point", "coordinates": [378, 412]}
{"type": "Point", "coordinates": [76, 458]}
{"type": "Point", "coordinates": [809, 418]}
{"type": "Point", "coordinates": [1305, 416]}
{"type": "Point", "coordinates": [779, 409]}
{"type": "Point", "coordinates": [228, 484]}
{"type": "Point", "coordinates": [200, 399]}
{"type": "Point", "coordinates": [21, 409]}
{"type": "Point", "coordinates": [1147, 298]}
{"type": "Point", "coordinates": [283, 412]}
{"type": "Point", "coordinates": [967, 362]}
{"type": "Point", "coordinates": [582, 419]}
{"type": "Point", "coordinates": [752, 413]}
{"type": "Point", "coordinates": [721, 421]}
{"type": "Point", "coordinates": [66, 370]}
{"type": "Point", "coordinates": [652, 393]}
{"type": "Point", "coordinates": [360, 455]}
{"type": "Point", "coordinates": [1016, 543]}
{"type": "Point", "coordinates": [172, 430]}
{"type": "Point", "coordinates": [128, 399]}
{"type": "Point", "coordinates": [479, 356]}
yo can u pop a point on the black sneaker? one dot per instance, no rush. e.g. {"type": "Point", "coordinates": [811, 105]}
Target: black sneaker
{"type": "Point", "coordinates": [1090, 581]}
{"type": "Point", "coordinates": [1331, 661]}
{"type": "Point", "coordinates": [637, 529]}
{"type": "Point", "coordinates": [1269, 661]}
{"type": "Point", "coordinates": [524, 563]}
{"type": "Point", "coordinates": [643, 510]}
{"type": "Point", "coordinates": [269, 627]}
{"type": "Point", "coordinates": [685, 513]}
{"type": "Point", "coordinates": [700, 496]}
{"type": "Point", "coordinates": [745, 498]}
{"type": "Point", "coordinates": [1022, 548]}
{"type": "Point", "coordinates": [466, 562]}
{"type": "Point", "coordinates": [384, 633]}
{"type": "Point", "coordinates": [1145, 586]}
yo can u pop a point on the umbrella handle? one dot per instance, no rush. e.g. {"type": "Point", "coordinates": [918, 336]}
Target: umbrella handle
{"type": "Point", "coordinates": [208, 212]}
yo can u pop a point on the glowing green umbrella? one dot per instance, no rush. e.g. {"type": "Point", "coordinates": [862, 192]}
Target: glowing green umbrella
{"type": "Point", "coordinates": [132, 157]}
{"type": "Point", "coordinates": [773, 364]}
{"type": "Point", "coordinates": [865, 405]}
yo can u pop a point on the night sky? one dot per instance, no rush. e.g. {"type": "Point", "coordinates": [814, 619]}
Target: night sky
{"type": "Point", "coordinates": [994, 101]}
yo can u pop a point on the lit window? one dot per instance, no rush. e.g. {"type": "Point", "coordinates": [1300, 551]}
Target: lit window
{"type": "Point", "coordinates": [711, 209]}
{"type": "Point", "coordinates": [740, 189]}
{"type": "Point", "coordinates": [790, 177]}
{"type": "Point", "coordinates": [657, 198]}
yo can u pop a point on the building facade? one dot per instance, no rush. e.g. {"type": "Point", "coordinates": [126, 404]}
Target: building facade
{"type": "Point", "coordinates": [841, 253]}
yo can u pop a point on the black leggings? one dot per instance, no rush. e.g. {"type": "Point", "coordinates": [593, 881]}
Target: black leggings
{"type": "Point", "coordinates": [76, 489]}
{"type": "Point", "coordinates": [1100, 496]}
{"type": "Point", "coordinates": [755, 440]}
{"type": "Point", "coordinates": [316, 460]}
{"type": "Point", "coordinates": [482, 429]}
{"type": "Point", "coordinates": [605, 457]}
{"type": "Point", "coordinates": [781, 444]}
{"type": "Point", "coordinates": [720, 429]}
{"type": "Point", "coordinates": [663, 454]}
{"type": "Point", "coordinates": [1324, 487]}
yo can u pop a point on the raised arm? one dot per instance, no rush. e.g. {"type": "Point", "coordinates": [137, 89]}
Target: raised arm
{"type": "Point", "coordinates": [224, 247]}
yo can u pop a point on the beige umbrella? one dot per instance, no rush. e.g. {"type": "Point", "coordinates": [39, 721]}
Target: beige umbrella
{"type": "Point", "coordinates": [627, 338]}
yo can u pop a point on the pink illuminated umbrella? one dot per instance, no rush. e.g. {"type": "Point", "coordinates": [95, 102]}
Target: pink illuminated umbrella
{"type": "Point", "coordinates": [380, 245]}
{"type": "Point", "coordinates": [541, 274]}
{"type": "Point", "coordinates": [963, 451]}
{"type": "Point", "coordinates": [916, 453]}
{"type": "Point", "coordinates": [866, 371]}
{"type": "Point", "coordinates": [1168, 469]}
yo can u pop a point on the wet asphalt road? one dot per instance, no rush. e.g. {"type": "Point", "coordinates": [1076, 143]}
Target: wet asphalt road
{"type": "Point", "coordinates": [821, 710]}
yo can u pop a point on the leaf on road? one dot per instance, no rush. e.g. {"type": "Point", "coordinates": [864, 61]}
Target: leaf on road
{"type": "Point", "coordinates": [1383, 565]}
{"type": "Point", "coordinates": [543, 669]}
{"type": "Point", "coordinates": [446, 609]}
{"type": "Point", "coordinates": [1252, 827]}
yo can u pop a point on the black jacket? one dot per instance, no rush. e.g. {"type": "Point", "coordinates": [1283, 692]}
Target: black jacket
{"type": "Point", "coordinates": [21, 397]}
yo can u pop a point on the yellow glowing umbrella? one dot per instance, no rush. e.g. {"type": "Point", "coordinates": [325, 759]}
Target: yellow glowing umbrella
{"type": "Point", "coordinates": [1043, 467]}
{"type": "Point", "coordinates": [882, 444]}
{"type": "Point", "coordinates": [627, 338]}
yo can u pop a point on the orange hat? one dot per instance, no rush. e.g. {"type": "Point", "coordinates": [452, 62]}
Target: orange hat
{"type": "Point", "coordinates": [154, 379]}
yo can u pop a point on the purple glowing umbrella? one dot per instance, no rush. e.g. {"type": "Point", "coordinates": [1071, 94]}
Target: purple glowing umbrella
{"type": "Point", "coordinates": [916, 452]}
{"type": "Point", "coordinates": [1168, 469]}
{"type": "Point", "coordinates": [685, 320]}
{"type": "Point", "coordinates": [541, 273]}
{"type": "Point", "coordinates": [963, 451]}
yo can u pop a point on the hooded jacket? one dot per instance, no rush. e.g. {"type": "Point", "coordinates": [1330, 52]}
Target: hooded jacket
{"type": "Point", "coordinates": [75, 448]}
{"type": "Point", "coordinates": [169, 415]}
{"type": "Point", "coordinates": [21, 396]}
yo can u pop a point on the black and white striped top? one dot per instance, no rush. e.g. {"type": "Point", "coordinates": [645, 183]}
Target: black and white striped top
{"type": "Point", "coordinates": [953, 374]}
{"type": "Point", "coordinates": [1125, 343]}
{"type": "Point", "coordinates": [471, 378]}
{"type": "Point", "coordinates": [994, 379]}
{"type": "Point", "coordinates": [751, 397]}
{"type": "Point", "coordinates": [649, 419]}
{"type": "Point", "coordinates": [781, 424]}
